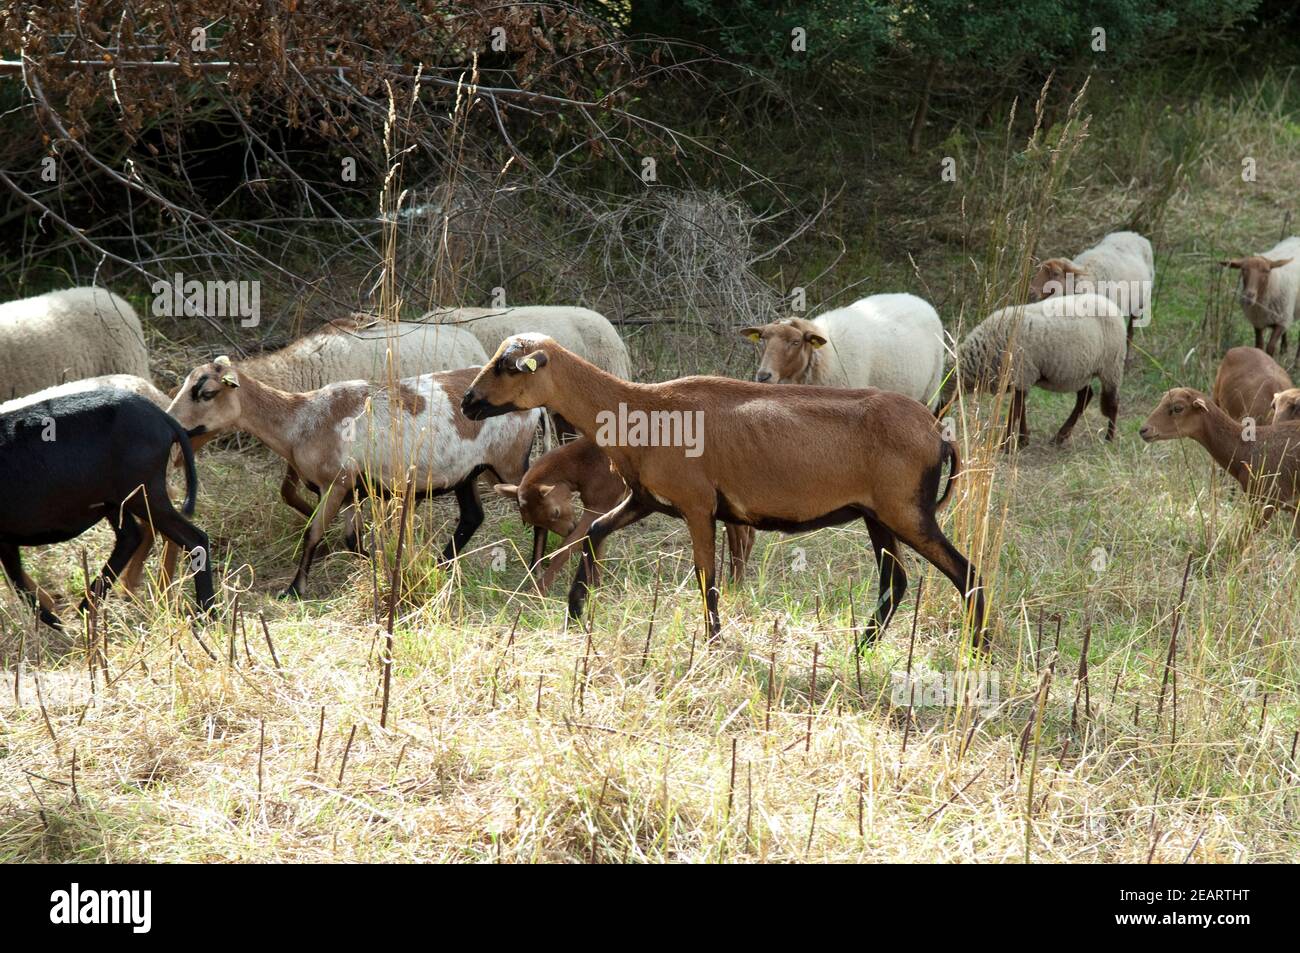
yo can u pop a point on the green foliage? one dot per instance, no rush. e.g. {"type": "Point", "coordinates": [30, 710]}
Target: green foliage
{"type": "Point", "coordinates": [857, 34]}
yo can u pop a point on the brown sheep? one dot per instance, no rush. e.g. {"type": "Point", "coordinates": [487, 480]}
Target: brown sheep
{"type": "Point", "coordinates": [1267, 467]}
{"type": "Point", "coordinates": [1246, 382]}
{"type": "Point", "coordinates": [794, 459]}
{"type": "Point", "coordinates": [545, 498]}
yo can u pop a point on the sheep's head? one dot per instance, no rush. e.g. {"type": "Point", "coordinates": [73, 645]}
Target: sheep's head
{"type": "Point", "coordinates": [1055, 276]}
{"type": "Point", "coordinates": [1286, 405]}
{"type": "Point", "coordinates": [516, 378]}
{"type": "Point", "coordinates": [788, 349]}
{"type": "Point", "coordinates": [208, 400]}
{"type": "Point", "coordinates": [1254, 275]}
{"type": "Point", "coordinates": [1180, 413]}
{"type": "Point", "coordinates": [548, 505]}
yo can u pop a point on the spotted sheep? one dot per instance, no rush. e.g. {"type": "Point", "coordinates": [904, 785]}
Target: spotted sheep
{"type": "Point", "coordinates": [357, 436]}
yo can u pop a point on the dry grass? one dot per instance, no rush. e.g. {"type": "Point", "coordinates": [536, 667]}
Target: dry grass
{"type": "Point", "coordinates": [628, 738]}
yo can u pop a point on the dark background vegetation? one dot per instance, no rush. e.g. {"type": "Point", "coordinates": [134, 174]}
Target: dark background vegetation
{"type": "Point", "coordinates": [775, 168]}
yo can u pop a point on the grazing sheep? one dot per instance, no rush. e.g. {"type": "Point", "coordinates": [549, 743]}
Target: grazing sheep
{"type": "Point", "coordinates": [585, 332]}
{"type": "Point", "coordinates": [545, 499]}
{"type": "Point", "coordinates": [890, 341]}
{"type": "Point", "coordinates": [70, 461]}
{"type": "Point", "coordinates": [1121, 267]}
{"type": "Point", "coordinates": [799, 460]}
{"type": "Point", "coordinates": [1246, 382]}
{"type": "Point", "coordinates": [347, 435]}
{"type": "Point", "coordinates": [68, 335]}
{"type": "Point", "coordinates": [1270, 291]}
{"type": "Point", "coordinates": [1286, 405]}
{"type": "Point", "coordinates": [1059, 344]}
{"type": "Point", "coordinates": [1267, 467]}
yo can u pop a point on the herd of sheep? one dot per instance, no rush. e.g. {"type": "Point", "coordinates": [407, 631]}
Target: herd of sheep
{"type": "Point", "coordinates": [363, 407]}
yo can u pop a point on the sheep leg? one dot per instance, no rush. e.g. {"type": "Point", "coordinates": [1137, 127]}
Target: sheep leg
{"type": "Point", "coordinates": [133, 575]}
{"type": "Point", "coordinates": [1274, 337]}
{"type": "Point", "coordinates": [36, 597]}
{"type": "Point", "coordinates": [289, 492]}
{"type": "Point", "coordinates": [624, 514]}
{"type": "Point", "coordinates": [561, 556]}
{"type": "Point", "coordinates": [704, 533]}
{"type": "Point", "coordinates": [127, 541]}
{"type": "Point", "coordinates": [539, 549]}
{"type": "Point", "coordinates": [320, 521]}
{"type": "Point", "coordinates": [155, 509]}
{"type": "Point", "coordinates": [1081, 400]}
{"type": "Point", "coordinates": [352, 538]}
{"type": "Point", "coordinates": [1259, 339]}
{"type": "Point", "coordinates": [471, 517]}
{"type": "Point", "coordinates": [740, 543]}
{"type": "Point", "coordinates": [1017, 427]}
{"type": "Point", "coordinates": [928, 539]}
{"type": "Point", "coordinates": [893, 580]}
{"type": "Point", "coordinates": [1110, 407]}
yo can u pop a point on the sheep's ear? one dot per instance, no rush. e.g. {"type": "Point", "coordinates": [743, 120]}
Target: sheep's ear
{"type": "Point", "coordinates": [1231, 263]}
{"type": "Point", "coordinates": [532, 362]}
{"type": "Point", "coordinates": [1200, 402]}
{"type": "Point", "coordinates": [1279, 262]}
{"type": "Point", "coordinates": [544, 489]}
{"type": "Point", "coordinates": [230, 380]}
{"type": "Point", "coordinates": [509, 490]}
{"type": "Point", "coordinates": [813, 338]}
{"type": "Point", "coordinates": [754, 334]}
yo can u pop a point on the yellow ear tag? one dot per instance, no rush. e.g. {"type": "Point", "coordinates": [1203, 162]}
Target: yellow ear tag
{"type": "Point", "coordinates": [530, 363]}
{"type": "Point", "coordinates": [229, 380]}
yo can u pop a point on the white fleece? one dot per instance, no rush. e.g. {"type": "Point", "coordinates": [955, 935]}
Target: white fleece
{"type": "Point", "coordinates": [1123, 265]}
{"type": "Point", "coordinates": [586, 333]}
{"type": "Point", "coordinates": [890, 341]}
{"type": "Point", "coordinates": [68, 335]}
{"type": "Point", "coordinates": [1059, 344]}
{"type": "Point", "coordinates": [336, 354]}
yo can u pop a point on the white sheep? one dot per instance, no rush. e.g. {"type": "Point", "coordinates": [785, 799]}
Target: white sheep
{"type": "Point", "coordinates": [68, 335]}
{"type": "Point", "coordinates": [890, 341]}
{"type": "Point", "coordinates": [1059, 344]}
{"type": "Point", "coordinates": [1121, 266]}
{"type": "Point", "coordinates": [357, 348]}
{"type": "Point", "coordinates": [1270, 291]}
{"type": "Point", "coordinates": [585, 332]}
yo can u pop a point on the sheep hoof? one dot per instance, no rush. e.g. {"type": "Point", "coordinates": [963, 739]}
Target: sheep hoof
{"type": "Point", "coordinates": [290, 593]}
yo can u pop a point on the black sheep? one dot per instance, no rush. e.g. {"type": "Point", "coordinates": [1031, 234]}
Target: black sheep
{"type": "Point", "coordinates": [68, 462]}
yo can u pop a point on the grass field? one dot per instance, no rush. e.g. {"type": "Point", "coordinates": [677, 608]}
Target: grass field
{"type": "Point", "coordinates": [509, 737]}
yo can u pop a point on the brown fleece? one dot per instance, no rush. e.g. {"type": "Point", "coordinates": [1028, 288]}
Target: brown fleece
{"type": "Point", "coordinates": [792, 459]}
{"type": "Point", "coordinates": [1246, 382]}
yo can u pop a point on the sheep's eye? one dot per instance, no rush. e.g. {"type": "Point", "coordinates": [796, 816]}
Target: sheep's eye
{"type": "Point", "coordinates": [208, 395]}
{"type": "Point", "coordinates": [1176, 409]}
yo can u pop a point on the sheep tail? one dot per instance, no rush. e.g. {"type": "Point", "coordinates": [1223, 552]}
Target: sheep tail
{"type": "Point", "coordinates": [191, 472]}
{"type": "Point", "coordinates": [954, 458]}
